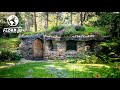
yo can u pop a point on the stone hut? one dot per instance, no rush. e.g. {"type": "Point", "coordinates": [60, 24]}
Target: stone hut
{"type": "Point", "coordinates": [39, 47]}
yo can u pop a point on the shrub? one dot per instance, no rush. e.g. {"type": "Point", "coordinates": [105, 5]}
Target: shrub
{"type": "Point", "coordinates": [109, 51]}
{"type": "Point", "coordinates": [57, 28]}
{"type": "Point", "coordinates": [80, 61]}
{"type": "Point", "coordinates": [94, 59]}
{"type": "Point", "coordinates": [53, 33]}
{"type": "Point", "coordinates": [61, 32]}
{"type": "Point", "coordinates": [113, 73]}
{"type": "Point", "coordinates": [79, 28]}
{"type": "Point", "coordinates": [86, 59]}
{"type": "Point", "coordinates": [4, 55]}
{"type": "Point", "coordinates": [15, 56]}
{"type": "Point", "coordinates": [71, 60]}
{"type": "Point", "coordinates": [70, 30]}
{"type": "Point", "coordinates": [13, 35]}
{"type": "Point", "coordinates": [104, 57]}
{"type": "Point", "coordinates": [8, 55]}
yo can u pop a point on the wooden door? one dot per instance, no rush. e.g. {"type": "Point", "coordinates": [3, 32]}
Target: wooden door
{"type": "Point", "coordinates": [37, 48]}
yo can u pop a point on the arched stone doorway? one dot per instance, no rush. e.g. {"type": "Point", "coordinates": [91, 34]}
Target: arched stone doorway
{"type": "Point", "coordinates": [37, 48]}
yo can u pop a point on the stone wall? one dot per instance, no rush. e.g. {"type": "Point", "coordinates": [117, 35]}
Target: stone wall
{"type": "Point", "coordinates": [62, 53]}
{"type": "Point", "coordinates": [58, 50]}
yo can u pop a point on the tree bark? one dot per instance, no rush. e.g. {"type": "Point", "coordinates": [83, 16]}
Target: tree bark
{"type": "Point", "coordinates": [47, 21]}
{"type": "Point", "coordinates": [56, 18]}
{"type": "Point", "coordinates": [81, 18]}
{"type": "Point", "coordinates": [35, 23]}
{"type": "Point", "coordinates": [84, 16]}
{"type": "Point", "coordinates": [71, 18]}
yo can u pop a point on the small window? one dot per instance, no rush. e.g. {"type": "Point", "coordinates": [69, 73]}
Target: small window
{"type": "Point", "coordinates": [71, 45]}
{"type": "Point", "coordinates": [89, 45]}
{"type": "Point", "coordinates": [52, 47]}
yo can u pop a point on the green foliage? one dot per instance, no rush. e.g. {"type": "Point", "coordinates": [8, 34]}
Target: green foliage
{"type": "Point", "coordinates": [104, 58]}
{"type": "Point", "coordinates": [3, 23]}
{"type": "Point", "coordinates": [9, 43]}
{"type": "Point", "coordinates": [110, 20]}
{"type": "Point", "coordinates": [71, 60]}
{"type": "Point", "coordinates": [91, 59]}
{"type": "Point", "coordinates": [95, 30]}
{"type": "Point", "coordinates": [70, 30]}
{"type": "Point", "coordinates": [91, 21]}
{"type": "Point", "coordinates": [29, 33]}
{"type": "Point", "coordinates": [94, 59]}
{"type": "Point", "coordinates": [6, 54]}
{"type": "Point", "coordinates": [105, 72]}
{"type": "Point", "coordinates": [115, 26]}
{"type": "Point", "coordinates": [105, 19]}
{"type": "Point", "coordinates": [85, 60]}
{"type": "Point", "coordinates": [109, 50]}
{"type": "Point", "coordinates": [13, 35]}
{"type": "Point", "coordinates": [109, 46]}
{"type": "Point", "coordinates": [113, 73]}
{"type": "Point", "coordinates": [57, 28]}
{"type": "Point", "coordinates": [79, 28]}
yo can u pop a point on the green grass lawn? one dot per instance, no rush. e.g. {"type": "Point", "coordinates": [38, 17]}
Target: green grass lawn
{"type": "Point", "coordinates": [55, 69]}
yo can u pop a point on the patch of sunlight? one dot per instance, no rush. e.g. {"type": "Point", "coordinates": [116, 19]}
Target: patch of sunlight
{"type": "Point", "coordinates": [97, 65]}
{"type": "Point", "coordinates": [50, 65]}
{"type": "Point", "coordinates": [4, 67]}
{"type": "Point", "coordinates": [39, 68]}
{"type": "Point", "coordinates": [59, 67]}
{"type": "Point", "coordinates": [13, 39]}
{"type": "Point", "coordinates": [75, 67]}
{"type": "Point", "coordinates": [10, 63]}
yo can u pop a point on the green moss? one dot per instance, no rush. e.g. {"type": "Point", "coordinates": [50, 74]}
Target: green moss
{"type": "Point", "coordinates": [79, 30]}
{"type": "Point", "coordinates": [29, 33]}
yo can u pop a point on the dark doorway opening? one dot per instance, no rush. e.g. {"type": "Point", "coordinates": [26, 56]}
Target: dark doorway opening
{"type": "Point", "coordinates": [52, 47]}
{"type": "Point", "coordinates": [71, 45]}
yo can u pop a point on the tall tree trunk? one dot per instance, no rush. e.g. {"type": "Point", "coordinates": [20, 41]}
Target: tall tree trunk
{"type": "Point", "coordinates": [57, 18]}
{"type": "Point", "coordinates": [71, 18]}
{"type": "Point", "coordinates": [35, 23]}
{"type": "Point", "coordinates": [81, 18]}
{"type": "Point", "coordinates": [47, 16]}
{"type": "Point", "coordinates": [84, 16]}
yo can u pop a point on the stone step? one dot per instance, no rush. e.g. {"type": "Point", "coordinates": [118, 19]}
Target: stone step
{"type": "Point", "coordinates": [38, 58]}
